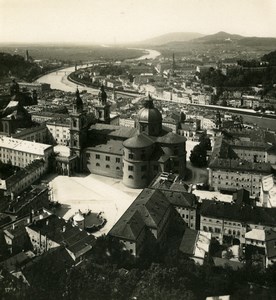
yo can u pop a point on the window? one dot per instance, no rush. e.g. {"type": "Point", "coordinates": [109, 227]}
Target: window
{"type": "Point", "coordinates": [107, 166]}
{"type": "Point", "coordinates": [118, 159]}
{"type": "Point", "coordinates": [130, 168]}
{"type": "Point", "coordinates": [98, 156]}
{"type": "Point", "coordinates": [130, 156]}
{"type": "Point", "coordinates": [107, 158]}
{"type": "Point", "coordinates": [130, 177]}
{"type": "Point", "coordinates": [117, 168]}
{"type": "Point", "coordinates": [97, 165]}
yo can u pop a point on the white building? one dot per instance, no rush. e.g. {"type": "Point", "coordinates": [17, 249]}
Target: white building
{"type": "Point", "coordinates": [21, 152]}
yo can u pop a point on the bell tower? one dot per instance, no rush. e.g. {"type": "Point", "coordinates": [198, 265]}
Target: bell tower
{"type": "Point", "coordinates": [78, 130]}
{"type": "Point", "coordinates": [102, 109]}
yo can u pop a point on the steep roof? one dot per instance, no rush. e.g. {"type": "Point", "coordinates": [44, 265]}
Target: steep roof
{"type": "Point", "coordinates": [148, 209]}
{"type": "Point", "coordinates": [181, 199]}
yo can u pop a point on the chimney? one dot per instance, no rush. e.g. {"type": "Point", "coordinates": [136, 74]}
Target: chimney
{"type": "Point", "coordinates": [63, 228]}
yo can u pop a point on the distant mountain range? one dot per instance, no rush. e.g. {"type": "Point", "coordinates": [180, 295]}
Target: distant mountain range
{"type": "Point", "coordinates": [217, 38]}
{"type": "Point", "coordinates": [172, 37]}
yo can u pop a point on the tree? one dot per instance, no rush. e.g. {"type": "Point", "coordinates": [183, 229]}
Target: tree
{"type": "Point", "coordinates": [205, 142]}
{"type": "Point", "coordinates": [198, 156]}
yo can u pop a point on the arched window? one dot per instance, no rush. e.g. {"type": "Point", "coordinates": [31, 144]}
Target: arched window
{"type": "Point", "coordinates": [107, 166]}
{"type": "Point", "coordinates": [130, 177]}
{"type": "Point", "coordinates": [97, 164]}
{"type": "Point", "coordinates": [117, 168]}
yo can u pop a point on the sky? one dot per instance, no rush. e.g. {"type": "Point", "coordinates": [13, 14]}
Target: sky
{"type": "Point", "coordinates": [119, 21]}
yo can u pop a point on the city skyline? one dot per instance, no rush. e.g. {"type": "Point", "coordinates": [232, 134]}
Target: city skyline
{"type": "Point", "coordinates": [31, 21]}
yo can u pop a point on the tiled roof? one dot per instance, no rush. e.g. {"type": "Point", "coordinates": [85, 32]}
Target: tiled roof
{"type": "Point", "coordinates": [242, 213]}
{"type": "Point", "coordinates": [63, 233]}
{"type": "Point", "coordinates": [181, 199]}
{"type": "Point", "coordinates": [171, 138]}
{"type": "Point", "coordinates": [240, 165]}
{"type": "Point", "coordinates": [113, 130]}
{"type": "Point", "coordinates": [148, 209]}
{"type": "Point", "coordinates": [29, 169]}
{"type": "Point", "coordinates": [112, 147]}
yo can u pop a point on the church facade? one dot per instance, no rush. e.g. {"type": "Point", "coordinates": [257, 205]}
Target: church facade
{"type": "Point", "coordinates": [135, 155]}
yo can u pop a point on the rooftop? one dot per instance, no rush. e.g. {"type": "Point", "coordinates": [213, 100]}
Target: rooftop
{"type": "Point", "coordinates": [241, 213]}
{"type": "Point", "coordinates": [112, 147]}
{"type": "Point", "coordinates": [113, 130]}
{"type": "Point", "coordinates": [63, 233]}
{"type": "Point", "coordinates": [240, 165]}
{"type": "Point", "coordinates": [23, 146]}
{"type": "Point", "coordinates": [138, 141]}
{"type": "Point", "coordinates": [148, 209]}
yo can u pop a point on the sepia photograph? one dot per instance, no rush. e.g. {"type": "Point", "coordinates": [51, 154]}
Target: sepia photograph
{"type": "Point", "coordinates": [137, 149]}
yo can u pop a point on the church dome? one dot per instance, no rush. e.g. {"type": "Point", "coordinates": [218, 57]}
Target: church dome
{"type": "Point", "coordinates": [149, 114]}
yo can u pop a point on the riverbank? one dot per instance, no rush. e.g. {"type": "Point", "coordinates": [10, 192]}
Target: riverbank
{"type": "Point", "coordinates": [59, 79]}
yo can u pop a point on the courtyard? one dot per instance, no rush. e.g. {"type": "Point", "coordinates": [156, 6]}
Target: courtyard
{"type": "Point", "coordinates": [95, 193]}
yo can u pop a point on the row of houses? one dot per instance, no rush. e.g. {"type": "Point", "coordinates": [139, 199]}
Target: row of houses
{"type": "Point", "coordinates": [155, 209]}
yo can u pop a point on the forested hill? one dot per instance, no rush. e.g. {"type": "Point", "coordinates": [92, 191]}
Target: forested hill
{"type": "Point", "coordinates": [16, 66]}
{"type": "Point", "coordinates": [270, 58]}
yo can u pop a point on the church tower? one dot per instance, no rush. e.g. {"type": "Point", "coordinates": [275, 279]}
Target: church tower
{"type": "Point", "coordinates": [102, 108]}
{"type": "Point", "coordinates": [78, 130]}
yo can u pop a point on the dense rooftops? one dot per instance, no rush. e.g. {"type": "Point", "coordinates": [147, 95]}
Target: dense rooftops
{"type": "Point", "coordinates": [63, 233]}
{"type": "Point", "coordinates": [240, 165]}
{"type": "Point", "coordinates": [242, 213]}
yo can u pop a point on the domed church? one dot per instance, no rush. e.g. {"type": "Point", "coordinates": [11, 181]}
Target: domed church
{"type": "Point", "coordinates": [135, 155]}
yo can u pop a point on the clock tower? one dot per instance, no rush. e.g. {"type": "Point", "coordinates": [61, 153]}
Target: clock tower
{"type": "Point", "coordinates": [78, 130]}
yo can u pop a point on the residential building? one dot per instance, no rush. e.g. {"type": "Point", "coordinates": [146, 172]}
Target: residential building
{"type": "Point", "coordinates": [195, 244]}
{"type": "Point", "coordinates": [53, 232]}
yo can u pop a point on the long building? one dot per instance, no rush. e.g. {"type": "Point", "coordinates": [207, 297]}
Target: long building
{"type": "Point", "coordinates": [21, 152]}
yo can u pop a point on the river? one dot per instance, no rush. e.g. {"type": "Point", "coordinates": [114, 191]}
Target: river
{"type": "Point", "coordinates": [58, 80]}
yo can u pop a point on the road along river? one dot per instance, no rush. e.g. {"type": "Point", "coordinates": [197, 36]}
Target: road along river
{"type": "Point", "coordinates": [58, 79]}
